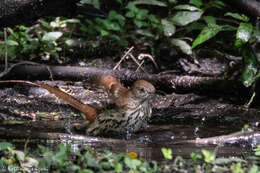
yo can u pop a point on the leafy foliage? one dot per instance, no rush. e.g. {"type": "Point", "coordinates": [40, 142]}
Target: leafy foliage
{"type": "Point", "coordinates": [65, 159]}
{"type": "Point", "coordinates": [146, 24]}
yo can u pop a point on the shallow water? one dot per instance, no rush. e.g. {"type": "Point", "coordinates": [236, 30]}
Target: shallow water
{"type": "Point", "coordinates": [148, 144]}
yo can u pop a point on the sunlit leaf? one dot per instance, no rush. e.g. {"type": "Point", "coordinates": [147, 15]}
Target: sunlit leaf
{"type": "Point", "coordinates": [12, 43]}
{"type": "Point", "coordinates": [71, 21]}
{"type": "Point", "coordinates": [168, 28]}
{"type": "Point", "coordinates": [257, 150]}
{"type": "Point", "coordinates": [186, 7]}
{"type": "Point", "coordinates": [207, 33]}
{"type": "Point", "coordinates": [182, 45]}
{"type": "Point", "coordinates": [150, 2]}
{"type": "Point", "coordinates": [167, 153]}
{"type": "Point", "coordinates": [19, 154]}
{"type": "Point", "coordinates": [182, 18]}
{"type": "Point", "coordinates": [208, 156]}
{"type": "Point", "coordinates": [238, 16]}
{"type": "Point", "coordinates": [243, 34]}
{"type": "Point", "coordinates": [52, 36]}
{"type": "Point", "coordinates": [237, 168]}
{"type": "Point", "coordinates": [254, 169]}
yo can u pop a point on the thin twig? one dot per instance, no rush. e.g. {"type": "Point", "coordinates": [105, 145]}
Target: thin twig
{"type": "Point", "coordinates": [136, 61]}
{"type": "Point", "coordinates": [6, 43]}
{"type": "Point", "coordinates": [125, 55]}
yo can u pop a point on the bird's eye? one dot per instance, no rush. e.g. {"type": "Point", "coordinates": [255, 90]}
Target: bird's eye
{"type": "Point", "coordinates": [142, 90]}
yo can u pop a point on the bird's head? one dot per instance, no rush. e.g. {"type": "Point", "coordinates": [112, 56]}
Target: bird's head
{"type": "Point", "coordinates": [142, 89]}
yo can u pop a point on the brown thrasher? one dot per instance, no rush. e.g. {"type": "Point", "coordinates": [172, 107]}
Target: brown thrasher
{"type": "Point", "coordinates": [131, 111]}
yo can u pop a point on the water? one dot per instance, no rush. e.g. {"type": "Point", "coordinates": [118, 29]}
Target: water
{"type": "Point", "coordinates": [148, 143]}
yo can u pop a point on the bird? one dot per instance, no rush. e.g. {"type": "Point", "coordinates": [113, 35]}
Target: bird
{"type": "Point", "coordinates": [15, 12]}
{"type": "Point", "coordinates": [130, 113]}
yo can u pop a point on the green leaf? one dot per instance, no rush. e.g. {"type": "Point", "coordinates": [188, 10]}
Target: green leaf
{"type": "Point", "coordinates": [140, 23]}
{"type": "Point", "coordinates": [254, 169]}
{"type": "Point", "coordinates": [186, 7]}
{"type": "Point", "coordinates": [195, 26]}
{"type": "Point", "coordinates": [223, 160]}
{"type": "Point", "coordinates": [182, 45]}
{"type": "Point", "coordinates": [12, 43]}
{"type": "Point", "coordinates": [90, 160]}
{"type": "Point", "coordinates": [197, 3]}
{"type": "Point", "coordinates": [257, 150]}
{"type": "Point", "coordinates": [71, 21]}
{"type": "Point", "coordinates": [119, 1]}
{"type": "Point", "coordinates": [105, 165]}
{"type": "Point", "coordinates": [243, 34]}
{"type": "Point", "coordinates": [210, 20]}
{"type": "Point", "coordinates": [167, 153]}
{"type": "Point", "coordinates": [172, 1]}
{"type": "Point", "coordinates": [250, 66]}
{"type": "Point", "coordinates": [130, 14]}
{"type": "Point", "coordinates": [182, 18]}
{"type": "Point", "coordinates": [62, 154]}
{"type": "Point", "coordinates": [19, 155]}
{"type": "Point", "coordinates": [52, 36]}
{"type": "Point", "coordinates": [215, 4]}
{"type": "Point", "coordinates": [238, 16]}
{"type": "Point", "coordinates": [150, 2]}
{"type": "Point", "coordinates": [237, 168]}
{"type": "Point", "coordinates": [208, 156]}
{"type": "Point", "coordinates": [195, 156]}
{"type": "Point", "coordinates": [132, 163]}
{"type": "Point", "coordinates": [104, 33]}
{"type": "Point", "coordinates": [113, 15]}
{"type": "Point", "coordinates": [168, 28]}
{"type": "Point", "coordinates": [5, 145]}
{"type": "Point", "coordinates": [118, 167]}
{"type": "Point", "coordinates": [32, 162]}
{"type": "Point", "coordinates": [207, 33]}
{"type": "Point", "coordinates": [109, 25]}
{"type": "Point", "coordinates": [142, 14]}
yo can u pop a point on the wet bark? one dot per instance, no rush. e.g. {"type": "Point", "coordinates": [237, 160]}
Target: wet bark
{"type": "Point", "coordinates": [250, 138]}
{"type": "Point", "coordinates": [238, 138]}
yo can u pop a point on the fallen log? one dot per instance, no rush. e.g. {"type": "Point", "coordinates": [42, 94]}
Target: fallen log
{"type": "Point", "coordinates": [165, 82]}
